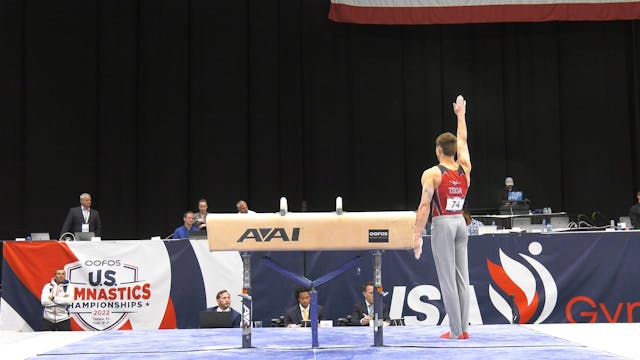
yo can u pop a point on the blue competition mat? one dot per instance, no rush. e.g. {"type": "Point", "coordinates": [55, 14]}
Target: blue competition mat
{"type": "Point", "coordinates": [498, 341]}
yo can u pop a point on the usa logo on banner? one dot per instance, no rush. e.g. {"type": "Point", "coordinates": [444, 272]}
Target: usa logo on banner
{"type": "Point", "coordinates": [414, 12]}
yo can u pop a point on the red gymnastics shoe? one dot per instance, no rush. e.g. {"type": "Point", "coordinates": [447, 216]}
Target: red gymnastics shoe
{"type": "Point", "coordinates": [447, 335]}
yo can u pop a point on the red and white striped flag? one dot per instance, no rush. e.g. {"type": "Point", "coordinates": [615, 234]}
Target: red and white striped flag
{"type": "Point", "coordinates": [479, 11]}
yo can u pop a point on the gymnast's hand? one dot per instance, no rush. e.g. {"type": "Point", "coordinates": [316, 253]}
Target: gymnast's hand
{"type": "Point", "coordinates": [460, 106]}
{"type": "Point", "coordinates": [417, 245]}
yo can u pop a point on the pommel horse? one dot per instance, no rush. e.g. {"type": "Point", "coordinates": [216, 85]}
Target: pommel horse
{"type": "Point", "coordinates": [375, 231]}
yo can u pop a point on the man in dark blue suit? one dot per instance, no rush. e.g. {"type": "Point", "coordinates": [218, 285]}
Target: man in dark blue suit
{"type": "Point", "coordinates": [82, 218]}
{"type": "Point", "coordinates": [363, 309]}
{"type": "Point", "coordinates": [302, 310]}
{"type": "Point", "coordinates": [224, 304]}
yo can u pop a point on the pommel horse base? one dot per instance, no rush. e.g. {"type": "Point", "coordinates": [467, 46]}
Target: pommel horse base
{"type": "Point", "coordinates": [375, 231]}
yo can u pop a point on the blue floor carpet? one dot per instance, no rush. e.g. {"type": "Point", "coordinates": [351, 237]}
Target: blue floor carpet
{"type": "Point", "coordinates": [487, 341]}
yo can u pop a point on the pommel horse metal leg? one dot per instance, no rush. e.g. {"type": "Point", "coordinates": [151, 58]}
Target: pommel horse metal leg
{"type": "Point", "coordinates": [378, 318]}
{"type": "Point", "coordinates": [313, 316]}
{"type": "Point", "coordinates": [247, 300]}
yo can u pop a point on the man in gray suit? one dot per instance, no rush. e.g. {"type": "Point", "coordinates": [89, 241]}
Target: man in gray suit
{"type": "Point", "coordinates": [82, 218]}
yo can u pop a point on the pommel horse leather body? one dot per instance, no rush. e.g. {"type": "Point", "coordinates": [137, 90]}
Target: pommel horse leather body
{"type": "Point", "coordinates": [387, 230]}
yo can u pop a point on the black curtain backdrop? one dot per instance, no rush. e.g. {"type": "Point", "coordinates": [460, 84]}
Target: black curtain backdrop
{"type": "Point", "coordinates": [150, 105]}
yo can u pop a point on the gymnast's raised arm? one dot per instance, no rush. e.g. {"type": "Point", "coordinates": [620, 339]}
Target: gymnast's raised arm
{"type": "Point", "coordinates": [464, 159]}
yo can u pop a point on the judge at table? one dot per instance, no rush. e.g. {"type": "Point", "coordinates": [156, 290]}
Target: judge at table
{"type": "Point", "coordinates": [302, 310]}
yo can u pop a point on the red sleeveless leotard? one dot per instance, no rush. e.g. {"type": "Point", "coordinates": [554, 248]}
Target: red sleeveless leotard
{"type": "Point", "coordinates": [448, 198]}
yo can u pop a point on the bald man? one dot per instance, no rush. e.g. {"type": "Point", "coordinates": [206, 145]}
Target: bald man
{"type": "Point", "coordinates": [82, 218]}
{"type": "Point", "coordinates": [243, 208]}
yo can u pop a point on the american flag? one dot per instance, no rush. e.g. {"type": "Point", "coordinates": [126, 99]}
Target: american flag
{"type": "Point", "coordinates": [479, 11]}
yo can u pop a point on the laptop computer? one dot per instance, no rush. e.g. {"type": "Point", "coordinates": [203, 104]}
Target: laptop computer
{"type": "Point", "coordinates": [515, 196]}
{"type": "Point", "coordinates": [626, 221]}
{"type": "Point", "coordinates": [559, 222]}
{"type": "Point", "coordinates": [40, 236]}
{"type": "Point", "coordinates": [521, 222]}
{"type": "Point", "coordinates": [487, 229]}
{"type": "Point", "coordinates": [215, 319]}
{"type": "Point", "coordinates": [533, 228]}
{"type": "Point", "coordinates": [84, 236]}
{"type": "Point", "coordinates": [198, 235]}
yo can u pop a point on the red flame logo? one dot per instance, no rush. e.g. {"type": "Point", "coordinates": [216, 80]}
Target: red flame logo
{"type": "Point", "coordinates": [509, 287]}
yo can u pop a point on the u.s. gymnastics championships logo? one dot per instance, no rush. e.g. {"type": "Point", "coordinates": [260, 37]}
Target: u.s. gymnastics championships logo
{"type": "Point", "coordinates": [519, 291]}
{"type": "Point", "coordinates": [105, 292]}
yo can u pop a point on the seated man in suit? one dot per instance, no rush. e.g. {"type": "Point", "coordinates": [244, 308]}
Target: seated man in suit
{"type": "Point", "coordinates": [224, 304]}
{"type": "Point", "coordinates": [363, 309]}
{"type": "Point", "coordinates": [82, 218]}
{"type": "Point", "coordinates": [302, 310]}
